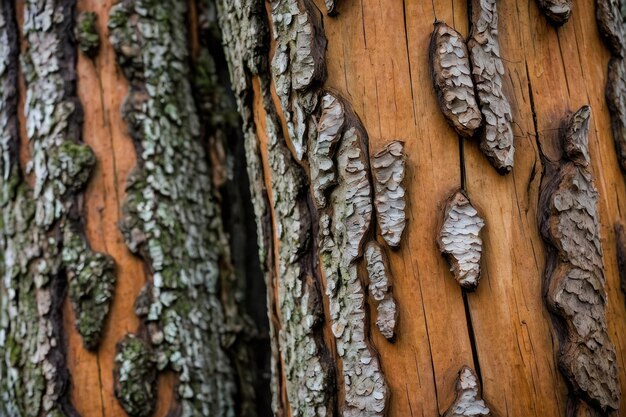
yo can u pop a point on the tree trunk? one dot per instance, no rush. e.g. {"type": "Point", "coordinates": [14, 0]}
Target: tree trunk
{"type": "Point", "coordinates": [312, 208]}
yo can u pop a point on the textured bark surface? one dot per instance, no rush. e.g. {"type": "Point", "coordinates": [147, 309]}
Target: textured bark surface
{"type": "Point", "coordinates": [557, 11]}
{"type": "Point", "coordinates": [575, 286]}
{"type": "Point", "coordinates": [468, 400]}
{"type": "Point", "coordinates": [452, 78]}
{"type": "Point", "coordinates": [380, 282]}
{"type": "Point", "coordinates": [388, 170]}
{"type": "Point", "coordinates": [459, 239]}
{"type": "Point", "coordinates": [496, 139]}
{"type": "Point", "coordinates": [367, 59]}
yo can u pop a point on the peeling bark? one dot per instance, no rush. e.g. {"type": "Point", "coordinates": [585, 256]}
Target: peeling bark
{"type": "Point", "coordinates": [459, 240]}
{"type": "Point", "coordinates": [343, 229]}
{"type": "Point", "coordinates": [388, 169]}
{"type": "Point", "coordinates": [321, 152]}
{"type": "Point", "coordinates": [451, 73]}
{"type": "Point", "coordinates": [298, 66]}
{"type": "Point", "coordinates": [574, 283]}
{"type": "Point", "coordinates": [380, 290]}
{"type": "Point", "coordinates": [468, 402]}
{"type": "Point", "coordinates": [171, 217]}
{"type": "Point", "coordinates": [557, 11]}
{"type": "Point", "coordinates": [331, 7]}
{"type": "Point", "coordinates": [496, 140]}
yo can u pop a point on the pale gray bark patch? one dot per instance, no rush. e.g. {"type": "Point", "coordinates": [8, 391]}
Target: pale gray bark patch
{"type": "Point", "coordinates": [135, 376]}
{"type": "Point", "coordinates": [343, 229]}
{"type": "Point", "coordinates": [620, 238]}
{"type": "Point", "coordinates": [308, 373]}
{"type": "Point", "coordinates": [468, 402]}
{"type": "Point", "coordinates": [321, 152]}
{"type": "Point", "coordinates": [574, 283]}
{"type": "Point", "coordinates": [380, 282]}
{"type": "Point", "coordinates": [171, 217]}
{"type": "Point", "coordinates": [611, 25]}
{"type": "Point", "coordinates": [459, 239]}
{"type": "Point", "coordinates": [451, 73]}
{"type": "Point", "coordinates": [557, 11]}
{"type": "Point", "coordinates": [87, 35]}
{"type": "Point", "coordinates": [298, 66]}
{"type": "Point", "coordinates": [388, 170]}
{"type": "Point", "coordinates": [496, 136]}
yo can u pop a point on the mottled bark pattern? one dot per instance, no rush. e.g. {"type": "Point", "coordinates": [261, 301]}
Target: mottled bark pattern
{"type": "Point", "coordinates": [298, 65]}
{"type": "Point", "coordinates": [321, 152]}
{"type": "Point", "coordinates": [496, 136]}
{"type": "Point", "coordinates": [380, 289]}
{"type": "Point", "coordinates": [574, 285]}
{"type": "Point", "coordinates": [388, 170]}
{"type": "Point", "coordinates": [135, 376]}
{"type": "Point", "coordinates": [331, 6]}
{"type": "Point", "coordinates": [87, 34]}
{"type": "Point", "coordinates": [468, 402]}
{"type": "Point", "coordinates": [451, 72]}
{"type": "Point", "coordinates": [343, 229]}
{"type": "Point", "coordinates": [557, 11]}
{"type": "Point", "coordinates": [459, 240]}
{"type": "Point", "coordinates": [170, 216]}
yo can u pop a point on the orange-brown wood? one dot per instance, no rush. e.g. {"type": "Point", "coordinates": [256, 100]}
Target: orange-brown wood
{"type": "Point", "coordinates": [102, 89]}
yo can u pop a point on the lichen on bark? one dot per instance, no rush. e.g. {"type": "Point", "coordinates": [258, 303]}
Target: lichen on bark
{"type": "Point", "coordinates": [557, 11]}
{"type": "Point", "coordinates": [574, 282]}
{"type": "Point", "coordinates": [135, 376]}
{"type": "Point", "coordinates": [86, 32]}
{"type": "Point", "coordinates": [35, 219]}
{"type": "Point", "coordinates": [171, 217]}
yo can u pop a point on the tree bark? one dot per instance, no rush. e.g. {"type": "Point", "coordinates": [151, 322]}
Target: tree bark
{"type": "Point", "coordinates": [311, 208]}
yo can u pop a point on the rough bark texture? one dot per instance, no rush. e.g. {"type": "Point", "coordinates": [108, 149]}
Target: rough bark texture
{"type": "Point", "coordinates": [574, 277]}
{"type": "Point", "coordinates": [557, 11]}
{"type": "Point", "coordinates": [388, 170]}
{"type": "Point", "coordinates": [468, 400]}
{"type": "Point", "coordinates": [380, 282]}
{"type": "Point", "coordinates": [496, 136]}
{"type": "Point", "coordinates": [620, 237]}
{"type": "Point", "coordinates": [452, 79]}
{"type": "Point", "coordinates": [171, 217]}
{"type": "Point", "coordinates": [459, 240]}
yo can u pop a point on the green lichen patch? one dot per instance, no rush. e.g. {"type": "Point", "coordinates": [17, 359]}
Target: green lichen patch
{"type": "Point", "coordinates": [91, 284]}
{"type": "Point", "coordinates": [71, 165]}
{"type": "Point", "coordinates": [87, 35]}
{"type": "Point", "coordinates": [135, 376]}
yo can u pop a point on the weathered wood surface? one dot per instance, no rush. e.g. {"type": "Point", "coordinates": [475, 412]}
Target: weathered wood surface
{"type": "Point", "coordinates": [377, 60]}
